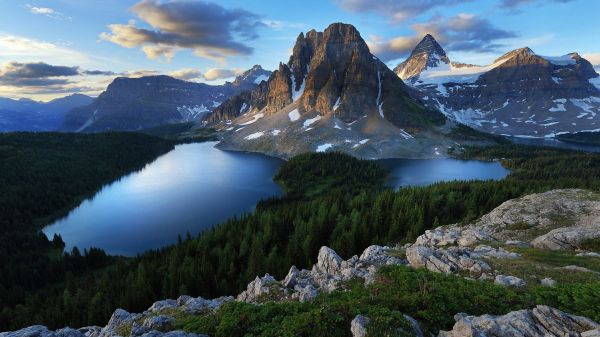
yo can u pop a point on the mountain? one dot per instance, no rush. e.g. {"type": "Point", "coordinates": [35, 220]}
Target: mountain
{"type": "Point", "coordinates": [427, 54]}
{"type": "Point", "coordinates": [331, 94]}
{"type": "Point", "coordinates": [29, 115]}
{"type": "Point", "coordinates": [521, 93]}
{"type": "Point", "coordinates": [138, 103]}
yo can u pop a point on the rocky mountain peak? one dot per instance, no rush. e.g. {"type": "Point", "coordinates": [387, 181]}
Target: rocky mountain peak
{"type": "Point", "coordinates": [251, 77]}
{"type": "Point", "coordinates": [427, 54]}
{"type": "Point", "coordinates": [520, 53]}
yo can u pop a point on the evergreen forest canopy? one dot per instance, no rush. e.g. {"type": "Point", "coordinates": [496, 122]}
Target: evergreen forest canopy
{"type": "Point", "coordinates": [330, 199]}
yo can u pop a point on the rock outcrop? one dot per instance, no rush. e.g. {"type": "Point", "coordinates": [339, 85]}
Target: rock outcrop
{"type": "Point", "coordinates": [555, 220]}
{"type": "Point", "coordinates": [541, 321]}
{"type": "Point", "coordinates": [326, 275]}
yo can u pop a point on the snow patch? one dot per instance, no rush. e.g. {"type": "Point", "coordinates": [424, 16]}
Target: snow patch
{"type": "Point", "coordinates": [560, 60]}
{"type": "Point", "coordinates": [243, 108]}
{"type": "Point", "coordinates": [324, 147]}
{"type": "Point", "coordinates": [337, 104]}
{"type": "Point", "coordinates": [260, 78]}
{"type": "Point", "coordinates": [192, 112]}
{"type": "Point", "coordinates": [310, 121]}
{"type": "Point", "coordinates": [297, 93]}
{"type": "Point", "coordinates": [405, 134]}
{"type": "Point", "coordinates": [275, 132]}
{"type": "Point", "coordinates": [254, 119]}
{"type": "Point", "coordinates": [255, 135]}
{"type": "Point", "coordinates": [378, 101]}
{"type": "Point", "coordinates": [294, 115]}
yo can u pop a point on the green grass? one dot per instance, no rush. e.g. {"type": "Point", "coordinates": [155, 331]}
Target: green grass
{"type": "Point", "coordinates": [432, 299]}
{"type": "Point", "coordinates": [591, 244]}
{"type": "Point", "coordinates": [536, 264]}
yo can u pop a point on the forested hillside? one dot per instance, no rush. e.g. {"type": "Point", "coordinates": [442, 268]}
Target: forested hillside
{"type": "Point", "coordinates": [332, 200]}
{"type": "Point", "coordinates": [42, 175]}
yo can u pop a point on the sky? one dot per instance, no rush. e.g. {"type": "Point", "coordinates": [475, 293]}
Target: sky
{"type": "Point", "coordinates": [50, 49]}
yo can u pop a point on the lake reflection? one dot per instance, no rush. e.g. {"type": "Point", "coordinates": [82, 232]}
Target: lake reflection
{"type": "Point", "coordinates": [191, 188]}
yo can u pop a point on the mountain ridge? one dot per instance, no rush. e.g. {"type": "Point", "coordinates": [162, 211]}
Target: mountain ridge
{"type": "Point", "coordinates": [28, 115]}
{"type": "Point", "coordinates": [520, 94]}
{"type": "Point", "coordinates": [139, 103]}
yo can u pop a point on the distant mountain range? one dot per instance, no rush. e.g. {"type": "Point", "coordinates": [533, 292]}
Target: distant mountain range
{"type": "Point", "coordinates": [29, 115]}
{"type": "Point", "coordinates": [332, 94]}
{"type": "Point", "coordinates": [521, 93]}
{"type": "Point", "coordinates": [139, 103]}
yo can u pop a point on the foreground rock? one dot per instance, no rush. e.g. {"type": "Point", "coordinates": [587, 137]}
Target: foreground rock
{"type": "Point", "coordinates": [554, 220]}
{"type": "Point", "coordinates": [328, 274]}
{"type": "Point", "coordinates": [542, 321]}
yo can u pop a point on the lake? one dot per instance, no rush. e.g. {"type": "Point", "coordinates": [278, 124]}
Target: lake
{"type": "Point", "coordinates": [191, 188]}
{"type": "Point", "coordinates": [196, 186]}
{"type": "Point", "coordinates": [420, 172]}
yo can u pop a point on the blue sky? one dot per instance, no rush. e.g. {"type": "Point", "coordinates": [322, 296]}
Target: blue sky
{"type": "Point", "coordinates": [52, 48]}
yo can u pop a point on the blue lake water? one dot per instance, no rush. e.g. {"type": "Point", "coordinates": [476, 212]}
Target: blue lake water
{"type": "Point", "coordinates": [197, 186]}
{"type": "Point", "coordinates": [419, 172]}
{"type": "Point", "coordinates": [191, 188]}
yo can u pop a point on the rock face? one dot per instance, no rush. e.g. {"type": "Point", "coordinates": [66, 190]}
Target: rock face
{"type": "Point", "coordinates": [521, 93]}
{"type": "Point", "coordinates": [333, 72]}
{"type": "Point", "coordinates": [137, 103]}
{"type": "Point", "coordinates": [334, 91]}
{"type": "Point", "coordinates": [541, 321]}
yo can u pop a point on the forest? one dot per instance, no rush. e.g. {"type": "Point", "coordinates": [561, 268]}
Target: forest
{"type": "Point", "coordinates": [330, 199]}
{"type": "Point", "coordinates": [42, 176]}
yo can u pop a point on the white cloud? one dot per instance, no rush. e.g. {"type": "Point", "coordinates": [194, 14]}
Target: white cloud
{"type": "Point", "coordinates": [30, 50]}
{"type": "Point", "coordinates": [219, 73]}
{"type": "Point", "coordinates": [48, 12]}
{"type": "Point", "coordinates": [186, 74]}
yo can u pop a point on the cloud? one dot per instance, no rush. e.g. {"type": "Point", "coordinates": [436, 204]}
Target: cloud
{"type": "Point", "coordinates": [280, 25]}
{"type": "Point", "coordinates": [187, 74]}
{"type": "Point", "coordinates": [139, 73]}
{"type": "Point", "coordinates": [209, 30]}
{"type": "Point", "coordinates": [47, 11]}
{"type": "Point", "coordinates": [219, 73]}
{"type": "Point", "coordinates": [463, 32]}
{"type": "Point", "coordinates": [398, 11]}
{"type": "Point", "coordinates": [35, 74]}
{"type": "Point", "coordinates": [18, 79]}
{"type": "Point", "coordinates": [513, 4]}
{"type": "Point", "coordinates": [30, 50]}
{"type": "Point", "coordinates": [98, 72]}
